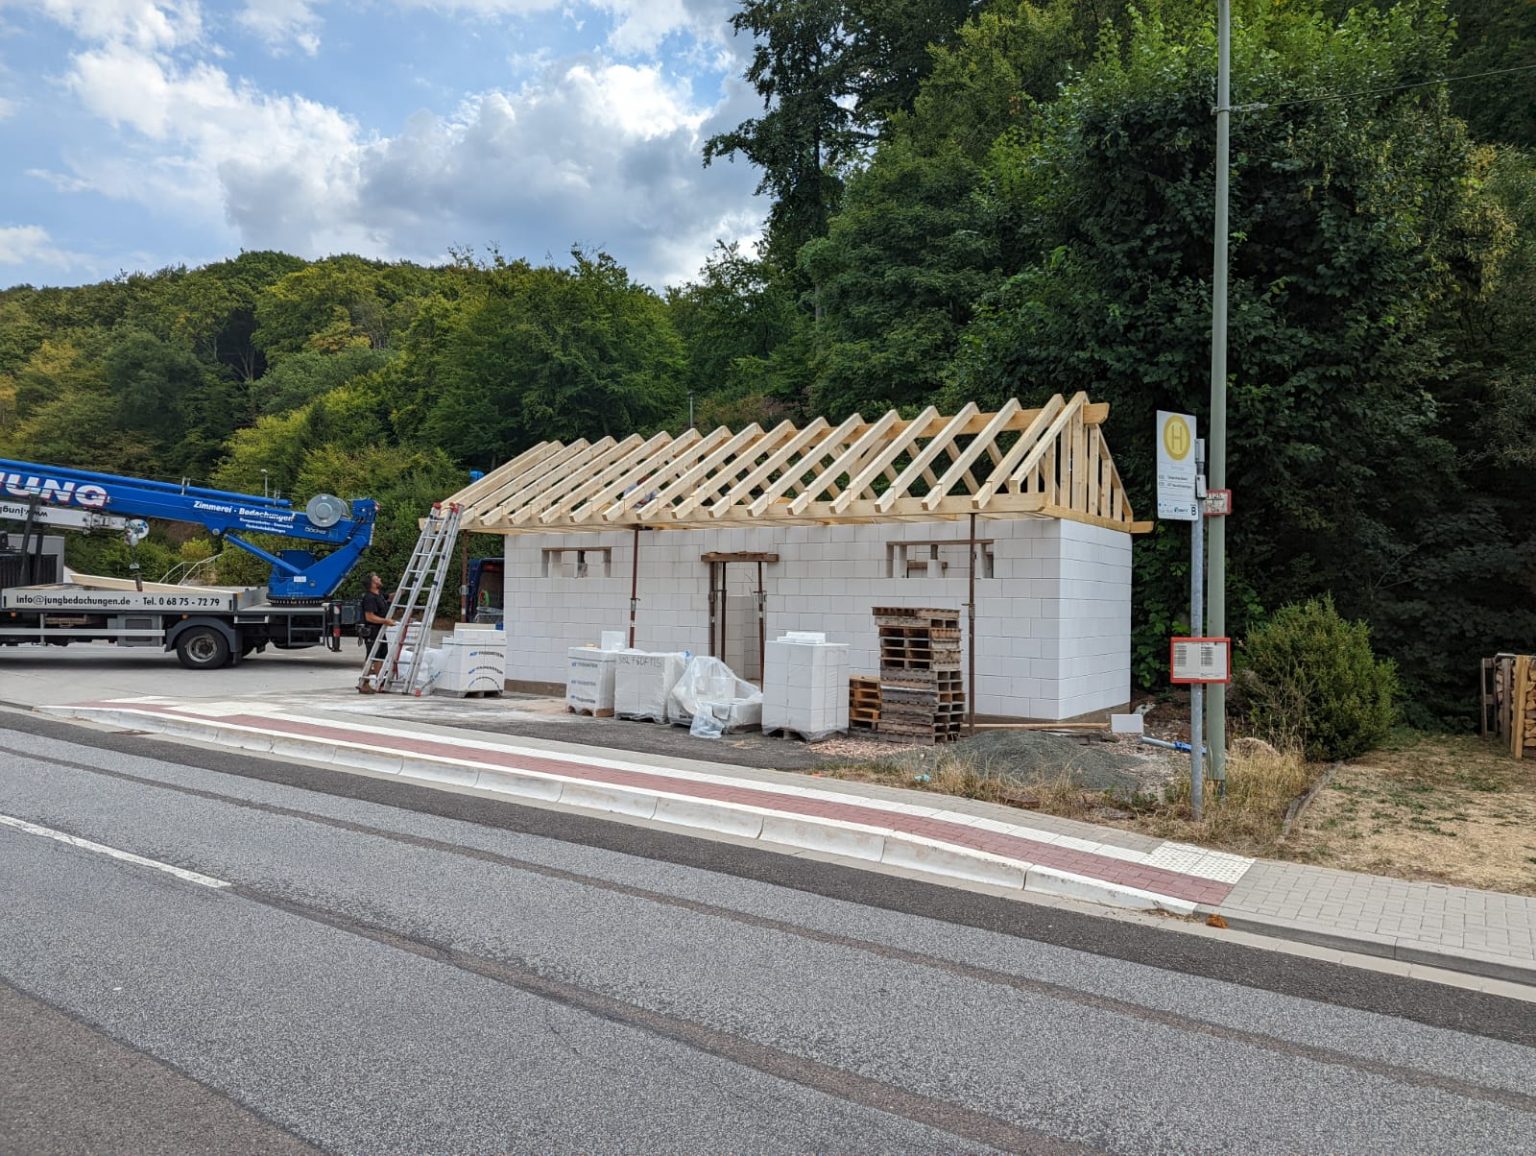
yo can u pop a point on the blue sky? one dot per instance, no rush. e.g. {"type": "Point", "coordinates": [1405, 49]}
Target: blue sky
{"type": "Point", "coordinates": [143, 133]}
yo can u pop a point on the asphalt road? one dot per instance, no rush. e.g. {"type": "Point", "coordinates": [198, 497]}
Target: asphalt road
{"type": "Point", "coordinates": [360, 966]}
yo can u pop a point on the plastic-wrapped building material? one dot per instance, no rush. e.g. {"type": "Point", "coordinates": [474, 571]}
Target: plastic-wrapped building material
{"type": "Point", "coordinates": [805, 686]}
{"type": "Point", "coordinates": [589, 680]}
{"type": "Point", "coordinates": [712, 700]}
{"type": "Point", "coordinates": [643, 681]}
{"type": "Point", "coordinates": [474, 661]}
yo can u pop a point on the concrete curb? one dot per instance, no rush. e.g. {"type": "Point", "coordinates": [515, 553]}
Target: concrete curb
{"type": "Point", "coordinates": [775, 831]}
{"type": "Point", "coordinates": [1404, 949]}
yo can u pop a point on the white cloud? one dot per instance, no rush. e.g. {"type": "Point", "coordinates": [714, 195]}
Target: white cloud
{"type": "Point", "coordinates": [639, 26]}
{"type": "Point", "coordinates": [144, 24]}
{"type": "Point", "coordinates": [288, 162]}
{"type": "Point", "coordinates": [283, 22]}
{"type": "Point", "coordinates": [7, 108]}
{"type": "Point", "coordinates": [589, 151]}
{"type": "Point", "coordinates": [31, 244]}
{"type": "Point", "coordinates": [600, 154]}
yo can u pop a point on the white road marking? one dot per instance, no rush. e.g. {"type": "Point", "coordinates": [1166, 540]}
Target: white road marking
{"type": "Point", "coordinates": [125, 856]}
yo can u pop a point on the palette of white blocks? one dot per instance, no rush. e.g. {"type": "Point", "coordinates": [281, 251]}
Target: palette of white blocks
{"type": "Point", "coordinates": [473, 661]}
{"type": "Point", "coordinates": [589, 681]}
{"type": "Point", "coordinates": [643, 681]}
{"type": "Point", "coordinates": [805, 685]}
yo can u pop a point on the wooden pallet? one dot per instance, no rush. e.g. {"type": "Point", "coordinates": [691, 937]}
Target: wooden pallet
{"type": "Point", "coordinates": [590, 712]}
{"type": "Point", "coordinates": [907, 616]}
{"type": "Point", "coordinates": [863, 703]}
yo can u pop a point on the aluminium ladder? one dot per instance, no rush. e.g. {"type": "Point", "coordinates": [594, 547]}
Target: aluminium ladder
{"type": "Point", "coordinates": [420, 588]}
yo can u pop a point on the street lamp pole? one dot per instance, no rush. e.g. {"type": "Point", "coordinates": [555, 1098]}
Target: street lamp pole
{"type": "Point", "coordinates": [1216, 588]}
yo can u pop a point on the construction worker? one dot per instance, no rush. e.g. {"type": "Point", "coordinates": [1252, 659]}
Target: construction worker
{"type": "Point", "coordinates": [375, 619]}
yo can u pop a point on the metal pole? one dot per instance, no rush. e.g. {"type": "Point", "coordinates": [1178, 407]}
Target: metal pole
{"type": "Point", "coordinates": [1216, 594]}
{"type": "Point", "coordinates": [762, 624]}
{"type": "Point", "coordinates": [634, 585]}
{"type": "Point", "coordinates": [970, 694]}
{"type": "Point", "coordinates": [714, 607]}
{"type": "Point", "coordinates": [1196, 628]}
{"type": "Point", "coordinates": [464, 580]}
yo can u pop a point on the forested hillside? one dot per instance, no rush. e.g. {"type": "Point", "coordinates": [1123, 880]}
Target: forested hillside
{"type": "Point", "coordinates": [965, 202]}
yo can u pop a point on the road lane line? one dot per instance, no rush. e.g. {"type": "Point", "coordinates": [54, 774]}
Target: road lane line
{"type": "Point", "coordinates": [125, 856]}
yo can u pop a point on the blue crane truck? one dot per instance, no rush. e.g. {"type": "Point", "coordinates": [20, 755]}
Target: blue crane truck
{"type": "Point", "coordinates": [207, 626]}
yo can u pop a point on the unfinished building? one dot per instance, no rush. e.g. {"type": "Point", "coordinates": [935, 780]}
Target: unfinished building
{"type": "Point", "coordinates": [713, 542]}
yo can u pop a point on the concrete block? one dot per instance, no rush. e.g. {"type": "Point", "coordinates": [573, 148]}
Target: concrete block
{"type": "Point", "coordinates": [920, 855]}
{"type": "Point", "coordinates": [603, 797]}
{"type": "Point", "coordinates": [855, 843]}
{"type": "Point", "coordinates": [708, 816]}
{"type": "Point", "coordinates": [520, 784]}
{"type": "Point", "coordinates": [438, 771]}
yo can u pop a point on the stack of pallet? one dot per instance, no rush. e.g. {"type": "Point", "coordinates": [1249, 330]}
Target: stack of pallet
{"type": "Point", "coordinates": [863, 703]}
{"type": "Point", "coordinates": [922, 696]}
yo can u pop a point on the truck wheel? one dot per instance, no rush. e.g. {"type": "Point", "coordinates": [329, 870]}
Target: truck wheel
{"type": "Point", "coordinates": [202, 648]}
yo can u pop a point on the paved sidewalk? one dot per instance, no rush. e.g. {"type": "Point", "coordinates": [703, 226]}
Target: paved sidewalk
{"type": "Point", "coordinates": [1482, 933]}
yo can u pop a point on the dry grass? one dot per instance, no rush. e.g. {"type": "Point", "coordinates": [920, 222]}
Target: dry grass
{"type": "Point", "coordinates": [1446, 808]}
{"type": "Point", "coordinates": [1249, 816]}
{"type": "Point", "coordinates": [955, 774]}
{"type": "Point", "coordinates": [1261, 785]}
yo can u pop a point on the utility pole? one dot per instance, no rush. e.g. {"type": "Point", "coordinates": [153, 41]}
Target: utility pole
{"type": "Point", "coordinates": [1216, 588]}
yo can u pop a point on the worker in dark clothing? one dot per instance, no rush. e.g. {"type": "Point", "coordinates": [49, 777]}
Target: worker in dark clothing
{"type": "Point", "coordinates": [375, 619]}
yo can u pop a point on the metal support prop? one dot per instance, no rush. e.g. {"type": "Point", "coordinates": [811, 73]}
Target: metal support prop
{"type": "Point", "coordinates": [634, 585]}
{"type": "Point", "coordinates": [1216, 595]}
{"type": "Point", "coordinates": [762, 625]}
{"type": "Point", "coordinates": [970, 633]}
{"type": "Point", "coordinates": [714, 607]}
{"type": "Point", "coordinates": [464, 607]}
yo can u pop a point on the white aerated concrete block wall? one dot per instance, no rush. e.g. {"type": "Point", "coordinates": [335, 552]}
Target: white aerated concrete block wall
{"type": "Point", "coordinates": [1053, 637]}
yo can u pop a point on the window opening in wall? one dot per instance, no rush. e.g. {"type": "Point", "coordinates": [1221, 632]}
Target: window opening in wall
{"type": "Point", "coordinates": [578, 562]}
{"type": "Point", "coordinates": [946, 558]}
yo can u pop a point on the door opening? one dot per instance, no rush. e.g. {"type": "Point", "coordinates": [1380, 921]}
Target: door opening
{"type": "Point", "coordinates": [738, 610]}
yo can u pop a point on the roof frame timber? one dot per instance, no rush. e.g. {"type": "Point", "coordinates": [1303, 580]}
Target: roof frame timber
{"type": "Point", "coordinates": [889, 469]}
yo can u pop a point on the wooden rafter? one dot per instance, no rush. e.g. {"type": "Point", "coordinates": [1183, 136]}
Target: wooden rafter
{"type": "Point", "coordinates": [1050, 461]}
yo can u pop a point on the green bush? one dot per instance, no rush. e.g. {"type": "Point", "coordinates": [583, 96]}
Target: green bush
{"type": "Point", "coordinates": [1310, 680]}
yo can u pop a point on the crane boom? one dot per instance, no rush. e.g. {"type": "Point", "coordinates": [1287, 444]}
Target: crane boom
{"type": "Point", "coordinates": [86, 499]}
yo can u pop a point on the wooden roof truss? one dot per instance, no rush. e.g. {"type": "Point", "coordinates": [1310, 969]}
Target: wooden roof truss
{"type": "Point", "coordinates": [1050, 462]}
